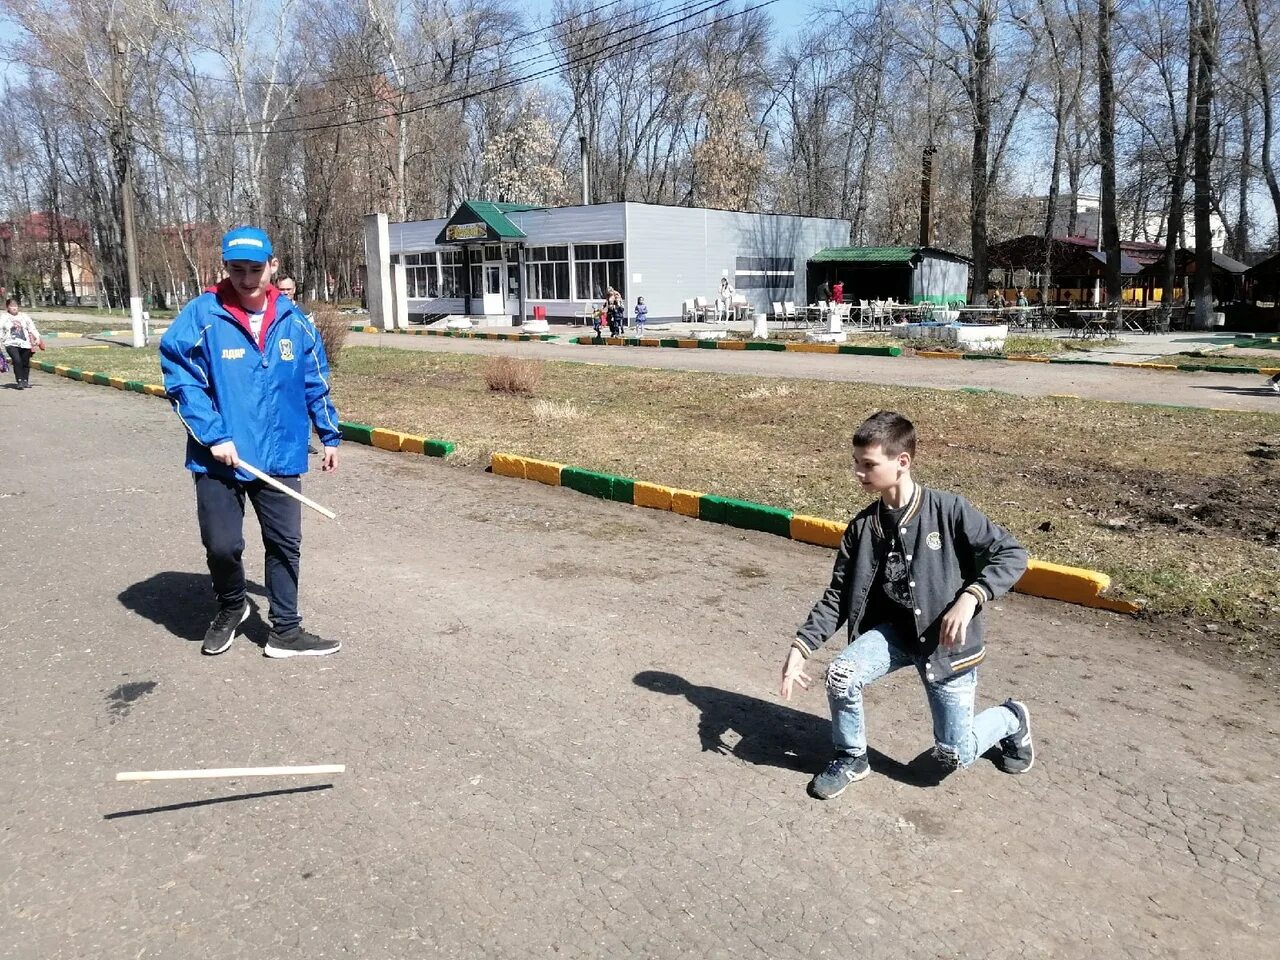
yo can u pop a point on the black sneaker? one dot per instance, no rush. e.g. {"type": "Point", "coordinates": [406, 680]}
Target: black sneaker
{"type": "Point", "coordinates": [840, 772]}
{"type": "Point", "coordinates": [223, 629]}
{"type": "Point", "coordinates": [298, 643]}
{"type": "Point", "coordinates": [1017, 753]}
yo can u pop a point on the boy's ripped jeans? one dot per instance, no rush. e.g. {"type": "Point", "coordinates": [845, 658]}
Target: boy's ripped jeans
{"type": "Point", "coordinates": [959, 737]}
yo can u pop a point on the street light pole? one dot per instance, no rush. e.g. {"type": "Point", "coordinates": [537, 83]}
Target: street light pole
{"type": "Point", "coordinates": [122, 141]}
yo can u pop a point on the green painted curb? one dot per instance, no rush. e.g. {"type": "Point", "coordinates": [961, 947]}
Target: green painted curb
{"type": "Point", "coordinates": [708, 344]}
{"type": "Point", "coordinates": [850, 348]}
{"type": "Point", "coordinates": [745, 515]}
{"type": "Point", "coordinates": [101, 379]}
{"type": "Point", "coordinates": [983, 356]}
{"type": "Point", "coordinates": [137, 386]}
{"type": "Point", "coordinates": [766, 345]}
{"type": "Point", "coordinates": [1081, 363]}
{"type": "Point", "coordinates": [73, 373]}
{"type": "Point", "coordinates": [605, 486]}
{"type": "Point", "coordinates": [1223, 368]}
{"type": "Point", "coordinates": [438, 448]}
{"type": "Point", "coordinates": [668, 342]}
{"type": "Point", "coordinates": [356, 432]}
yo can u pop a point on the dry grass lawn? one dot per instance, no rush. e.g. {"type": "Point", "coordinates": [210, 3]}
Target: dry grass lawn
{"type": "Point", "coordinates": [1179, 506]}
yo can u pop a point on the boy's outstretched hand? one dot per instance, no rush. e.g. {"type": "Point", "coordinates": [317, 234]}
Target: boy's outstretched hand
{"type": "Point", "coordinates": [793, 673]}
{"type": "Point", "coordinates": [955, 622]}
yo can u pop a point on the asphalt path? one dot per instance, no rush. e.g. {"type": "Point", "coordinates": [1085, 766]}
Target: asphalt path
{"type": "Point", "coordinates": [561, 738]}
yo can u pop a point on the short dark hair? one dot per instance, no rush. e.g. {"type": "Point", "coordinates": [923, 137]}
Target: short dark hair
{"type": "Point", "coordinates": [893, 432]}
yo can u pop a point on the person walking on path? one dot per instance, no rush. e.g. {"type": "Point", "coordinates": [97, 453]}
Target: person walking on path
{"type": "Point", "coordinates": [20, 338]}
{"type": "Point", "coordinates": [642, 315]}
{"type": "Point", "coordinates": [247, 374]}
{"type": "Point", "coordinates": [912, 574]}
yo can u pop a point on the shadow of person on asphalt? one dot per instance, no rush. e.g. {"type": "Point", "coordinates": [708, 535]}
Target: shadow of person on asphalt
{"type": "Point", "coordinates": [183, 604]}
{"type": "Point", "coordinates": [774, 735]}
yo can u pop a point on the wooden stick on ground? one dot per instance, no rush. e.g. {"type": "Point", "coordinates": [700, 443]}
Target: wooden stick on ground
{"type": "Point", "coordinates": [144, 775]}
{"type": "Point", "coordinates": [273, 482]}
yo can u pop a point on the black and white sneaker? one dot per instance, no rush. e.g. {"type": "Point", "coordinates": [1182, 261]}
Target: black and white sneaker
{"type": "Point", "coordinates": [840, 772]}
{"type": "Point", "coordinates": [1017, 753]}
{"type": "Point", "coordinates": [223, 629]}
{"type": "Point", "coordinates": [298, 643]}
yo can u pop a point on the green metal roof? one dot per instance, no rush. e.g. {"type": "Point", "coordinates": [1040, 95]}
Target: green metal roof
{"type": "Point", "coordinates": [865, 255]}
{"type": "Point", "coordinates": [492, 215]}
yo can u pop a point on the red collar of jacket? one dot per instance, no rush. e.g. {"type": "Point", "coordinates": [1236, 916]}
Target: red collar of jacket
{"type": "Point", "coordinates": [229, 300]}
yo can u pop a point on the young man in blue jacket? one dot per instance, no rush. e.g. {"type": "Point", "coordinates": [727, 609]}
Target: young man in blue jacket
{"type": "Point", "coordinates": [912, 574]}
{"type": "Point", "coordinates": [247, 374]}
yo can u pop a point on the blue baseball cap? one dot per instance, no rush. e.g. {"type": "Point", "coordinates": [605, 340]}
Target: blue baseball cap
{"type": "Point", "coordinates": [246, 243]}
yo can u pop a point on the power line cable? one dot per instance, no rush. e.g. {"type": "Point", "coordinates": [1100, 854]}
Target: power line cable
{"type": "Point", "coordinates": [698, 7]}
{"type": "Point", "coordinates": [594, 57]}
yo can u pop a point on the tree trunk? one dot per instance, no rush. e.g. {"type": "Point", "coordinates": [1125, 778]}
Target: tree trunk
{"type": "Point", "coordinates": [978, 189]}
{"type": "Point", "coordinates": [1178, 180]}
{"type": "Point", "coordinates": [1206, 53]}
{"type": "Point", "coordinates": [1110, 227]}
{"type": "Point", "coordinates": [1240, 248]}
{"type": "Point", "coordinates": [1264, 96]}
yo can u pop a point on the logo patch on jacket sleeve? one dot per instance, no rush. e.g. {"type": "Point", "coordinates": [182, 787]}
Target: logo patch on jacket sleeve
{"type": "Point", "coordinates": [934, 540]}
{"type": "Point", "coordinates": [286, 349]}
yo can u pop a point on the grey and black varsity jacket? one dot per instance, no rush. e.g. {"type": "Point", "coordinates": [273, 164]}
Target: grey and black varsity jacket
{"type": "Point", "coordinates": [951, 548]}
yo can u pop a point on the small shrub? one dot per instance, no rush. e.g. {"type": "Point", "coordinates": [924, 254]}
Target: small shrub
{"type": "Point", "coordinates": [512, 375]}
{"type": "Point", "coordinates": [333, 328]}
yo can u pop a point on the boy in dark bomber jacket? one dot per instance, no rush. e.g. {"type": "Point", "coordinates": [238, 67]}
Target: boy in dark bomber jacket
{"type": "Point", "coordinates": [912, 574]}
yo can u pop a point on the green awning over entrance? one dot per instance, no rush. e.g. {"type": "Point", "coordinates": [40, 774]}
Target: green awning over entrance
{"type": "Point", "coordinates": [482, 220]}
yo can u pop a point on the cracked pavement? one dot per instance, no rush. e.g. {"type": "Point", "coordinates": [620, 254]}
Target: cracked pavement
{"type": "Point", "coordinates": [561, 737]}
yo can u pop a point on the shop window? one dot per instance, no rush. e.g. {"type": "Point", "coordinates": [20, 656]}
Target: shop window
{"type": "Point", "coordinates": [422, 282]}
{"type": "Point", "coordinates": [451, 273]}
{"type": "Point", "coordinates": [547, 273]}
{"type": "Point", "coordinates": [596, 268]}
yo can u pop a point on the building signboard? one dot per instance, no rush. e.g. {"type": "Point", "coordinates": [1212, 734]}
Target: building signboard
{"type": "Point", "coordinates": [466, 231]}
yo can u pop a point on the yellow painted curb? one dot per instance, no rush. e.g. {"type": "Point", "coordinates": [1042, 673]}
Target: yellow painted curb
{"type": "Point", "coordinates": [372, 330]}
{"type": "Point", "coordinates": [1154, 366]}
{"type": "Point", "coordinates": [816, 530]}
{"type": "Point", "coordinates": [1269, 371]}
{"type": "Point", "coordinates": [685, 502]}
{"type": "Point", "coordinates": [812, 348]}
{"type": "Point", "coordinates": [686, 343]}
{"type": "Point", "coordinates": [116, 382]}
{"type": "Point", "coordinates": [507, 465]}
{"type": "Point", "coordinates": [409, 443]}
{"type": "Point", "coordinates": [650, 342]}
{"type": "Point", "coordinates": [1029, 359]}
{"type": "Point", "coordinates": [386, 439]}
{"type": "Point", "coordinates": [153, 390]}
{"type": "Point", "coordinates": [651, 495]}
{"type": "Point", "coordinates": [1071, 584]}
{"type": "Point", "coordinates": [544, 471]}
{"type": "Point", "coordinates": [613, 341]}
{"type": "Point", "coordinates": [1064, 396]}
{"type": "Point", "coordinates": [938, 355]}
{"type": "Point", "coordinates": [731, 344]}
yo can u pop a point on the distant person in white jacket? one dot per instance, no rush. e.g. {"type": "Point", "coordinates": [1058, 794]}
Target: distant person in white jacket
{"type": "Point", "coordinates": [20, 338]}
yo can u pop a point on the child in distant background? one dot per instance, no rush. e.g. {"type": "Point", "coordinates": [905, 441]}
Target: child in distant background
{"type": "Point", "coordinates": [642, 314]}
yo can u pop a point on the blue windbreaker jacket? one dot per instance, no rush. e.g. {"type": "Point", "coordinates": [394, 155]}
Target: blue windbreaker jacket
{"type": "Point", "coordinates": [261, 395]}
